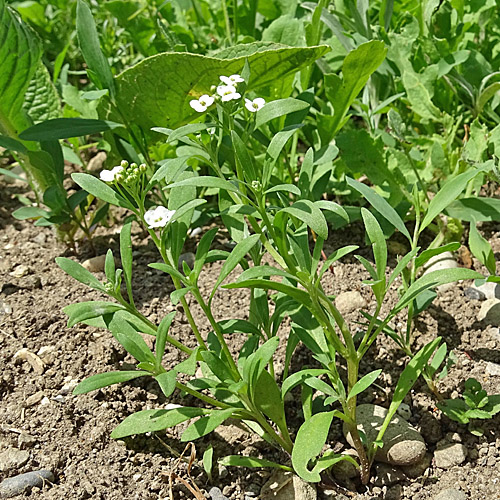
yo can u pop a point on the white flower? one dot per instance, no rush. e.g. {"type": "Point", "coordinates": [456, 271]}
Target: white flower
{"type": "Point", "coordinates": [254, 105]}
{"type": "Point", "coordinates": [110, 175]}
{"type": "Point", "coordinates": [231, 80]}
{"type": "Point", "coordinates": [201, 104]}
{"type": "Point", "coordinates": [158, 217]}
{"type": "Point", "coordinates": [227, 92]}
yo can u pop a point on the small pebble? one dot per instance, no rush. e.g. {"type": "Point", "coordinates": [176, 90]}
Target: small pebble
{"type": "Point", "coordinates": [404, 411]}
{"type": "Point", "coordinates": [95, 264]}
{"type": "Point", "coordinates": [20, 271]}
{"type": "Point", "coordinates": [5, 308]}
{"type": "Point", "coordinates": [474, 294]}
{"type": "Point", "coordinates": [490, 312]}
{"type": "Point", "coordinates": [492, 369]}
{"type": "Point", "coordinates": [23, 483]}
{"type": "Point", "coordinates": [348, 302]}
{"type": "Point", "coordinates": [13, 459]}
{"type": "Point", "coordinates": [447, 455]}
{"type": "Point", "coordinates": [33, 399]}
{"type": "Point", "coordinates": [451, 494]}
{"type": "Point", "coordinates": [216, 494]}
{"type": "Point", "coordinates": [188, 258]}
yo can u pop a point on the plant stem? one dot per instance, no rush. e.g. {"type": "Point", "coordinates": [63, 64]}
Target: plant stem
{"type": "Point", "coordinates": [226, 21]}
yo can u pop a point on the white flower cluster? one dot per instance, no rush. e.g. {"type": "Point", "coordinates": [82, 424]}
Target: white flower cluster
{"type": "Point", "coordinates": [158, 217]}
{"type": "Point", "coordinates": [226, 92]}
{"type": "Point", "coordinates": [123, 173]}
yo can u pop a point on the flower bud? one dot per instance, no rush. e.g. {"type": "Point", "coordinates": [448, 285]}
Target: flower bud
{"type": "Point", "coordinates": [142, 167]}
{"type": "Point", "coordinates": [124, 163]}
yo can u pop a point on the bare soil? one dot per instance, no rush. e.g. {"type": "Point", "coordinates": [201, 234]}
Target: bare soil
{"type": "Point", "coordinates": [70, 434]}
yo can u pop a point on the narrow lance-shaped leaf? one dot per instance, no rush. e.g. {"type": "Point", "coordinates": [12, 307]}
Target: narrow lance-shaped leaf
{"type": "Point", "coordinates": [90, 46]}
{"type": "Point", "coordinates": [307, 212]}
{"type": "Point", "coordinates": [101, 190]}
{"type": "Point", "coordinates": [104, 379]}
{"type": "Point", "coordinates": [78, 272]}
{"type": "Point", "coordinates": [126, 257]}
{"type": "Point", "coordinates": [64, 128]}
{"type": "Point", "coordinates": [363, 383]}
{"type": "Point", "coordinates": [380, 205]}
{"type": "Point", "coordinates": [239, 251]}
{"type": "Point", "coordinates": [241, 461]}
{"type": "Point", "coordinates": [154, 420]}
{"type": "Point", "coordinates": [162, 335]}
{"type": "Point", "coordinates": [406, 380]}
{"type": "Point", "coordinates": [447, 194]}
{"type": "Point", "coordinates": [206, 424]}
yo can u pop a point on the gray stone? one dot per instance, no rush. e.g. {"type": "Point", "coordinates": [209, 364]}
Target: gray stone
{"type": "Point", "coordinates": [449, 454]}
{"type": "Point", "coordinates": [430, 428]}
{"type": "Point", "coordinates": [486, 290]}
{"type": "Point", "coordinates": [216, 494]}
{"type": "Point", "coordinates": [344, 469]}
{"type": "Point", "coordinates": [95, 264]}
{"type": "Point", "coordinates": [404, 411]}
{"type": "Point", "coordinates": [451, 494]}
{"type": "Point", "coordinates": [24, 482]}
{"type": "Point", "coordinates": [25, 440]}
{"type": "Point", "coordinates": [394, 492]}
{"type": "Point", "coordinates": [387, 475]}
{"type": "Point", "coordinates": [348, 302]}
{"type": "Point", "coordinates": [492, 369]}
{"type": "Point", "coordinates": [418, 470]}
{"type": "Point", "coordinates": [12, 459]}
{"type": "Point", "coordinates": [490, 312]}
{"type": "Point", "coordinates": [473, 293]}
{"type": "Point", "coordinates": [34, 399]}
{"type": "Point", "coordinates": [286, 486]}
{"type": "Point", "coordinates": [444, 260]}
{"type": "Point", "coordinates": [188, 258]}
{"type": "Point", "coordinates": [403, 445]}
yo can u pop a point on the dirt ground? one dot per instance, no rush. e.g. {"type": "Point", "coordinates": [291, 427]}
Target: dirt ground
{"type": "Point", "coordinates": [70, 434]}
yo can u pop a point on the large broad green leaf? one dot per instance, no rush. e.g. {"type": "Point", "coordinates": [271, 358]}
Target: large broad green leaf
{"type": "Point", "coordinates": [475, 209]}
{"type": "Point", "coordinates": [157, 91]}
{"type": "Point", "coordinates": [358, 66]}
{"type": "Point", "coordinates": [20, 52]}
{"type": "Point", "coordinates": [41, 101]}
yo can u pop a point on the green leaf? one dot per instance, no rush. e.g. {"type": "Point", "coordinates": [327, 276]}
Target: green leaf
{"type": "Point", "coordinates": [363, 383]}
{"type": "Point", "coordinates": [280, 107]}
{"type": "Point", "coordinates": [168, 269]}
{"type": "Point", "coordinates": [446, 195]}
{"type": "Point", "coordinates": [299, 295]}
{"type": "Point", "coordinates": [109, 266]}
{"type": "Point", "coordinates": [310, 214]}
{"type": "Point", "coordinates": [167, 381]}
{"type": "Point", "coordinates": [406, 380]}
{"type": "Point", "coordinates": [20, 53]}
{"type": "Point", "coordinates": [41, 100]}
{"type": "Point", "coordinates": [192, 128]}
{"type": "Point", "coordinates": [263, 271]}
{"type": "Point", "coordinates": [157, 91]}
{"type": "Point", "coordinates": [481, 249]}
{"type": "Point", "coordinates": [336, 255]}
{"type": "Point", "coordinates": [206, 424]}
{"type": "Point", "coordinates": [431, 252]}
{"type": "Point", "coordinates": [29, 213]}
{"type": "Point", "coordinates": [154, 420]}
{"type": "Point", "coordinates": [242, 461]}
{"type": "Point", "coordinates": [309, 442]}
{"type": "Point", "coordinates": [380, 205]}
{"type": "Point", "coordinates": [206, 181]}
{"type": "Point", "coordinates": [104, 379]}
{"type": "Point", "coordinates": [90, 46]}
{"type": "Point", "coordinates": [238, 253]}
{"type": "Point", "coordinates": [216, 365]}
{"type": "Point", "coordinates": [377, 239]}
{"type": "Point", "coordinates": [476, 209]}
{"type": "Point", "coordinates": [242, 156]}
{"type": "Point", "coordinates": [287, 188]}
{"type": "Point", "coordinates": [100, 190]}
{"type": "Point", "coordinates": [131, 340]}
{"type": "Point", "coordinates": [126, 256]}
{"type": "Point", "coordinates": [203, 249]}
{"type": "Point", "coordinates": [162, 335]}
{"type": "Point", "coordinates": [298, 378]}
{"type": "Point", "coordinates": [257, 361]}
{"type": "Point", "coordinates": [267, 398]}
{"type": "Point", "coordinates": [83, 311]}
{"type": "Point", "coordinates": [432, 280]}
{"type": "Point", "coordinates": [358, 66]}
{"type": "Point", "coordinates": [78, 272]}
{"type": "Point", "coordinates": [64, 128]}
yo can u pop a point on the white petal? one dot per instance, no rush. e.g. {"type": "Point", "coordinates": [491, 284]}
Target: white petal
{"type": "Point", "coordinates": [259, 102]}
{"type": "Point", "coordinates": [207, 99]}
{"type": "Point", "coordinates": [236, 78]}
{"type": "Point", "coordinates": [107, 176]}
{"type": "Point", "coordinates": [223, 90]}
{"type": "Point", "coordinates": [236, 95]}
{"type": "Point", "coordinates": [226, 80]}
{"type": "Point", "coordinates": [197, 106]}
{"type": "Point", "coordinates": [249, 106]}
